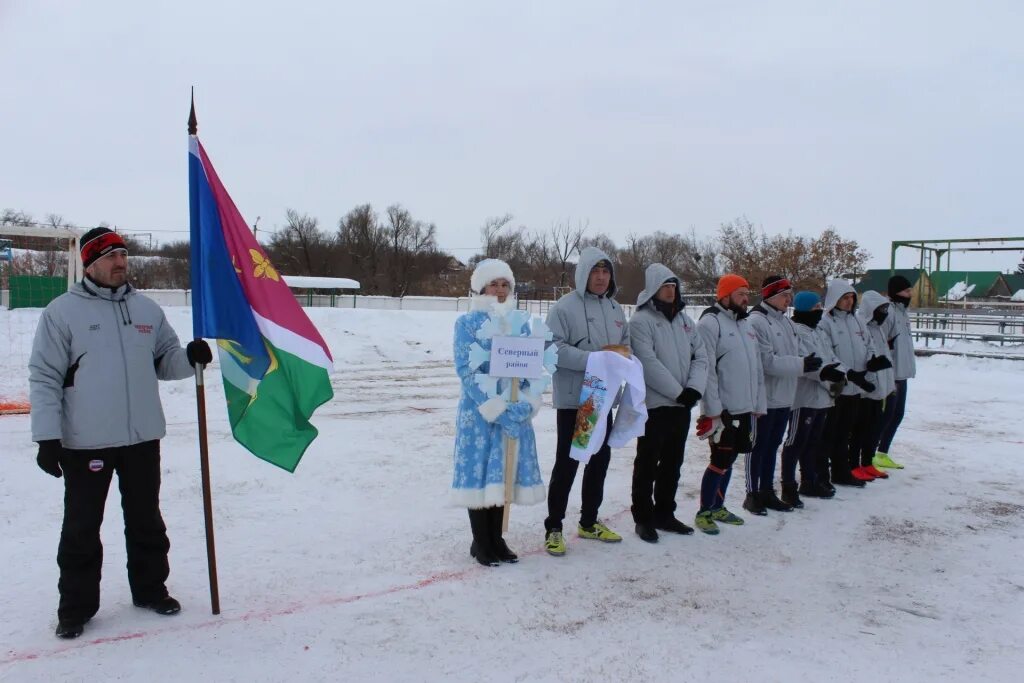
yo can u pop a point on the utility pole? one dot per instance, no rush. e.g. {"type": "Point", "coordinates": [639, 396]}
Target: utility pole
{"type": "Point", "coordinates": [254, 228]}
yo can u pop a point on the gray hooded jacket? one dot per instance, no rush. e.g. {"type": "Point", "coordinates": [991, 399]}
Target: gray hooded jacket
{"type": "Point", "coordinates": [884, 380]}
{"type": "Point", "coordinates": [900, 341]}
{"type": "Point", "coordinates": [582, 322]}
{"type": "Point", "coordinates": [811, 391]}
{"type": "Point", "coordinates": [671, 351]}
{"type": "Point", "coordinates": [735, 376]}
{"type": "Point", "coordinates": [96, 359]}
{"type": "Point", "coordinates": [780, 354]}
{"type": "Point", "coordinates": [847, 334]}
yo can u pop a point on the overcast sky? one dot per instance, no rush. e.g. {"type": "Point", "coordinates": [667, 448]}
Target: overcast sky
{"type": "Point", "coordinates": [889, 120]}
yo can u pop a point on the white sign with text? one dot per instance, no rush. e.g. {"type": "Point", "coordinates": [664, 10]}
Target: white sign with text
{"type": "Point", "coordinates": [517, 357]}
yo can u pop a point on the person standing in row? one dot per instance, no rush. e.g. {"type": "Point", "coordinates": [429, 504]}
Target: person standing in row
{"type": "Point", "coordinates": [849, 342]}
{"type": "Point", "coordinates": [734, 396]}
{"type": "Point", "coordinates": [666, 342]}
{"type": "Point", "coordinates": [482, 423]}
{"type": "Point", "coordinates": [584, 320]}
{"type": "Point", "coordinates": [901, 343]}
{"type": "Point", "coordinates": [873, 313]}
{"type": "Point", "coordinates": [815, 395]}
{"type": "Point", "coordinates": [779, 346]}
{"type": "Point", "coordinates": [99, 351]}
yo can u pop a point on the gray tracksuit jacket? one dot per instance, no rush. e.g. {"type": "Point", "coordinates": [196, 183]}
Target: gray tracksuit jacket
{"type": "Point", "coordinates": [671, 351]}
{"type": "Point", "coordinates": [900, 341]}
{"type": "Point", "coordinates": [884, 380]}
{"type": "Point", "coordinates": [735, 376]}
{"type": "Point", "coordinates": [846, 333]}
{"type": "Point", "coordinates": [95, 362]}
{"type": "Point", "coordinates": [811, 391]}
{"type": "Point", "coordinates": [582, 322]}
{"type": "Point", "coordinates": [780, 354]}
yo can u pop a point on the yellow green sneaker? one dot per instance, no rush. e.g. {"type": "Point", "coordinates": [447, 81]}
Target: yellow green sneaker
{"type": "Point", "coordinates": [554, 543]}
{"type": "Point", "coordinates": [599, 532]}
{"type": "Point", "coordinates": [723, 515]}
{"type": "Point", "coordinates": [883, 460]}
{"type": "Point", "coordinates": [704, 522]}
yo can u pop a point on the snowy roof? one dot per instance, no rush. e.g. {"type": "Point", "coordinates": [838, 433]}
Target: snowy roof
{"type": "Point", "coordinates": [978, 282]}
{"type": "Point", "coordinates": [308, 282]}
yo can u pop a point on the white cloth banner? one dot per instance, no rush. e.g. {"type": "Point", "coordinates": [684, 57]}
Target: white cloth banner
{"type": "Point", "coordinates": [605, 375]}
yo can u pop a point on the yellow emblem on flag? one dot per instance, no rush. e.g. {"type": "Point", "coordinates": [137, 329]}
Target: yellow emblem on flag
{"type": "Point", "coordinates": [230, 346]}
{"type": "Point", "coordinates": [263, 266]}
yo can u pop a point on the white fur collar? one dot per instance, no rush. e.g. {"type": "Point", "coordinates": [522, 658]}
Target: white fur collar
{"type": "Point", "coordinates": [484, 302]}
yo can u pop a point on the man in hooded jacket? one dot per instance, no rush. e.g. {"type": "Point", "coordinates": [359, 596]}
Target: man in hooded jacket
{"type": "Point", "coordinates": [581, 322]}
{"type": "Point", "coordinates": [666, 342]}
{"type": "Point", "coordinates": [98, 353]}
{"type": "Point", "coordinates": [873, 313]}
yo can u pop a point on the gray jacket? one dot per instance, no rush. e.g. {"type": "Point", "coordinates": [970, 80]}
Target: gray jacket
{"type": "Point", "coordinates": [811, 391]}
{"type": "Point", "coordinates": [96, 359]}
{"type": "Point", "coordinates": [671, 351]}
{"type": "Point", "coordinates": [582, 322]}
{"type": "Point", "coordinates": [884, 380]}
{"type": "Point", "coordinates": [735, 376]}
{"type": "Point", "coordinates": [847, 334]}
{"type": "Point", "coordinates": [900, 341]}
{"type": "Point", "coordinates": [780, 354]}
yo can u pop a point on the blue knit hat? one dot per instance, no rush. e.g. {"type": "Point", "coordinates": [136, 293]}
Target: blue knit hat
{"type": "Point", "coordinates": [805, 301]}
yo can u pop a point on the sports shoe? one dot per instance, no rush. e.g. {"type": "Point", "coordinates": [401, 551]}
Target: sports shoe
{"type": "Point", "coordinates": [647, 533]}
{"type": "Point", "coordinates": [598, 532]}
{"type": "Point", "coordinates": [554, 543]}
{"type": "Point", "coordinates": [752, 504]}
{"type": "Point", "coordinates": [862, 474]}
{"type": "Point", "coordinates": [674, 525]}
{"type": "Point", "coordinates": [69, 629]}
{"type": "Point", "coordinates": [725, 517]}
{"type": "Point", "coordinates": [704, 522]}
{"type": "Point", "coordinates": [883, 460]}
{"type": "Point", "coordinates": [165, 606]}
{"type": "Point", "coordinates": [875, 472]}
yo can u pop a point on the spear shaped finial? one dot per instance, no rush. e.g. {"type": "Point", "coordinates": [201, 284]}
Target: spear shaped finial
{"type": "Point", "coordinates": [193, 125]}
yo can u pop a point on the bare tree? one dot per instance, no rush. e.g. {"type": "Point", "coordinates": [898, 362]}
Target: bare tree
{"type": "Point", "coordinates": [407, 240]}
{"type": "Point", "coordinates": [363, 243]}
{"type": "Point", "coordinates": [299, 247]}
{"type": "Point", "coordinates": [564, 240]}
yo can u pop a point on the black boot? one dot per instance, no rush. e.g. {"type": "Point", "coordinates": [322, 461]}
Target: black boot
{"type": "Point", "coordinates": [771, 501]}
{"type": "Point", "coordinates": [752, 504]}
{"type": "Point", "coordinates": [165, 606]}
{"type": "Point", "coordinates": [501, 549]}
{"type": "Point", "coordinates": [844, 478]}
{"type": "Point", "coordinates": [67, 629]}
{"type": "Point", "coordinates": [818, 489]}
{"type": "Point", "coordinates": [646, 532]}
{"type": "Point", "coordinates": [672, 524]}
{"type": "Point", "coordinates": [791, 496]}
{"type": "Point", "coordinates": [481, 548]}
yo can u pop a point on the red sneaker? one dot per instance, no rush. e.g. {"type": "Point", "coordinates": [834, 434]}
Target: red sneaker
{"type": "Point", "coordinates": [862, 475]}
{"type": "Point", "coordinates": [875, 472]}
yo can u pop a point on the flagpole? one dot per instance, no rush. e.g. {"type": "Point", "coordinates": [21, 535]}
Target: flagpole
{"type": "Point", "coordinates": [204, 451]}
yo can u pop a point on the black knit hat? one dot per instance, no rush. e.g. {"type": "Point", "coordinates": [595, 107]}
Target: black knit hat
{"type": "Point", "coordinates": [99, 242]}
{"type": "Point", "coordinates": [897, 283]}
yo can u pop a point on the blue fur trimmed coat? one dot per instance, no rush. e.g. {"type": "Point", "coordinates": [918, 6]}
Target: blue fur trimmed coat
{"type": "Point", "coordinates": [479, 480]}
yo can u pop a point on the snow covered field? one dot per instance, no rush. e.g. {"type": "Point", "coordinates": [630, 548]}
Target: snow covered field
{"type": "Point", "coordinates": [354, 568]}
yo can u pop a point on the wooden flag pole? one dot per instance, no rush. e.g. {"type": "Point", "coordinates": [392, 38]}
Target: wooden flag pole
{"type": "Point", "coordinates": [511, 451]}
{"type": "Point", "coordinates": [204, 467]}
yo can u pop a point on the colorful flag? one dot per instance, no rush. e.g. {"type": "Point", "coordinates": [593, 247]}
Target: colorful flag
{"type": "Point", "coordinates": [274, 362]}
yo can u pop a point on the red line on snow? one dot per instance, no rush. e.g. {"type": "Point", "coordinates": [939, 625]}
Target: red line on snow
{"type": "Point", "coordinates": [14, 656]}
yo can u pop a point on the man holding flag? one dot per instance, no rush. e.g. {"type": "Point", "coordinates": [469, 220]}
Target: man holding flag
{"type": "Point", "coordinates": [98, 352]}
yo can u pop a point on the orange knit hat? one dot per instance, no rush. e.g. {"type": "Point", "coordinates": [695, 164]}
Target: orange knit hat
{"type": "Point", "coordinates": [728, 284]}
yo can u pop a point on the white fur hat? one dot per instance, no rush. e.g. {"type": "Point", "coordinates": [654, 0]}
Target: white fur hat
{"type": "Point", "coordinates": [489, 270]}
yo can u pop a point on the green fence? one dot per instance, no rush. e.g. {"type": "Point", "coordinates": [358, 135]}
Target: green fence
{"type": "Point", "coordinates": [35, 291]}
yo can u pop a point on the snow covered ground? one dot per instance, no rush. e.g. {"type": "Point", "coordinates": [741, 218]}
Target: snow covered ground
{"type": "Point", "coordinates": [354, 568]}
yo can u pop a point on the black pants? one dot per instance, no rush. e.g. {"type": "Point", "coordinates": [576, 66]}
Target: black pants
{"type": "Point", "coordinates": [564, 474]}
{"type": "Point", "coordinates": [659, 456]}
{"type": "Point", "coordinates": [87, 475]}
{"type": "Point", "coordinates": [895, 407]}
{"type": "Point", "coordinates": [839, 430]}
{"type": "Point", "coordinates": [865, 435]}
{"type": "Point", "coordinates": [803, 445]}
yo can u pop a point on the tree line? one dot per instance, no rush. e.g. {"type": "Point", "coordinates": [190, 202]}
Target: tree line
{"type": "Point", "coordinates": [396, 254]}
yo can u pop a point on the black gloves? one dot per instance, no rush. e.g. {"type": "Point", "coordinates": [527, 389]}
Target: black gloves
{"type": "Point", "coordinates": [858, 379]}
{"type": "Point", "coordinates": [48, 457]}
{"type": "Point", "coordinates": [688, 398]}
{"type": "Point", "coordinates": [198, 351]}
{"type": "Point", "coordinates": [830, 373]}
{"type": "Point", "coordinates": [877, 363]}
{"type": "Point", "coordinates": [812, 363]}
